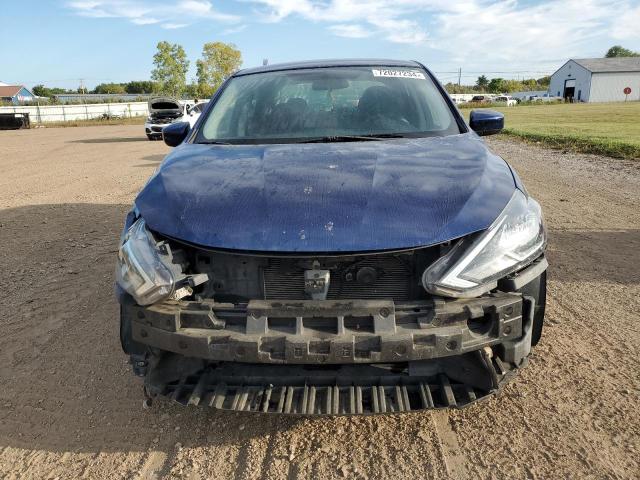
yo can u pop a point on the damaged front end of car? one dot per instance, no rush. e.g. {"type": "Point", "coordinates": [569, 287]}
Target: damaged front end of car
{"type": "Point", "coordinates": [344, 333]}
{"type": "Point", "coordinates": [332, 238]}
{"type": "Point", "coordinates": [162, 112]}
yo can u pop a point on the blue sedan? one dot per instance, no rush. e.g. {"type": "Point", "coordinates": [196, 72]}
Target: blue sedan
{"type": "Point", "coordinates": [331, 237]}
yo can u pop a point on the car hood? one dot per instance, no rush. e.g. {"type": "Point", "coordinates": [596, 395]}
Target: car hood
{"type": "Point", "coordinates": [328, 197]}
{"type": "Point", "coordinates": [164, 105]}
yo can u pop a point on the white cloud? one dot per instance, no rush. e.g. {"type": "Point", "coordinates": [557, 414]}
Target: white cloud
{"type": "Point", "coordinates": [144, 21]}
{"type": "Point", "coordinates": [203, 9]}
{"type": "Point", "coordinates": [174, 26]}
{"type": "Point", "coordinates": [480, 31]}
{"type": "Point", "coordinates": [513, 33]}
{"type": "Point", "coordinates": [509, 32]}
{"type": "Point", "coordinates": [149, 12]}
{"type": "Point", "coordinates": [89, 9]}
{"type": "Point", "coordinates": [627, 25]}
{"type": "Point", "coordinates": [401, 31]}
{"type": "Point", "coordinates": [233, 30]}
{"type": "Point", "coordinates": [197, 7]}
{"type": "Point", "coordinates": [351, 31]}
{"type": "Point", "coordinates": [393, 20]}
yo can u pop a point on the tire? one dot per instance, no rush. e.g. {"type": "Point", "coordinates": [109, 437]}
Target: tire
{"type": "Point", "coordinates": [150, 137]}
{"type": "Point", "coordinates": [128, 344]}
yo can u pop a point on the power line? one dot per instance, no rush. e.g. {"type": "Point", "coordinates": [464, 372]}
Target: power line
{"type": "Point", "coordinates": [67, 79]}
{"type": "Point", "coordinates": [503, 72]}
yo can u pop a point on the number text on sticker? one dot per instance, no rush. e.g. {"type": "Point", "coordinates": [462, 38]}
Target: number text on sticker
{"type": "Point", "coordinates": [384, 72]}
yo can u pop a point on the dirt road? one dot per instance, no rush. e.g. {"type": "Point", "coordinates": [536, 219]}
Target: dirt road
{"type": "Point", "coordinates": [70, 407]}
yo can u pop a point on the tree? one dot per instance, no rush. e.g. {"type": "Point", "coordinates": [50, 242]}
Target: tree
{"type": "Point", "coordinates": [109, 88]}
{"type": "Point", "coordinates": [455, 88]}
{"type": "Point", "coordinates": [496, 85]}
{"type": "Point", "coordinates": [171, 66]}
{"type": "Point", "coordinates": [544, 81]}
{"type": "Point", "coordinates": [528, 84]}
{"type": "Point", "coordinates": [143, 86]}
{"type": "Point", "coordinates": [219, 60]}
{"type": "Point", "coordinates": [192, 90]}
{"type": "Point", "coordinates": [510, 86]}
{"type": "Point", "coordinates": [42, 91]}
{"type": "Point", "coordinates": [618, 51]}
{"type": "Point", "coordinates": [482, 82]}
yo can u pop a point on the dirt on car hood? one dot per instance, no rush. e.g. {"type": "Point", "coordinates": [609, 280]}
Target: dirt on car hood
{"type": "Point", "coordinates": [337, 197]}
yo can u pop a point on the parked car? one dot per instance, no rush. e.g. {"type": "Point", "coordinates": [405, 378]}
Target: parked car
{"type": "Point", "coordinates": [509, 101]}
{"type": "Point", "coordinates": [303, 252]}
{"type": "Point", "coordinates": [193, 113]}
{"type": "Point", "coordinates": [481, 99]}
{"type": "Point", "coordinates": [162, 112]}
{"type": "Point", "coordinates": [546, 98]}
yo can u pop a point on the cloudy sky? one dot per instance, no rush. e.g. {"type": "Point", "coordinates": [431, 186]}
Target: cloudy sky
{"type": "Point", "coordinates": [57, 42]}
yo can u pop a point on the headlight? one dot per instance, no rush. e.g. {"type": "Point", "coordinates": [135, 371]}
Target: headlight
{"type": "Point", "coordinates": [473, 266]}
{"type": "Point", "coordinates": [140, 270]}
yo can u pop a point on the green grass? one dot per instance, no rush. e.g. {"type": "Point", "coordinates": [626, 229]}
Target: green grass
{"type": "Point", "coordinates": [611, 129]}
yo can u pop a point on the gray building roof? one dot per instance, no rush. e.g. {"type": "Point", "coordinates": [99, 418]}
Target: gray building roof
{"type": "Point", "coordinates": [617, 64]}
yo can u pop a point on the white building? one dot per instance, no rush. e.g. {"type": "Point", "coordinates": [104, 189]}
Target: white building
{"type": "Point", "coordinates": [598, 80]}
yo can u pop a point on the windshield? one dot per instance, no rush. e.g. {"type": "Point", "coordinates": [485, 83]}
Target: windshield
{"type": "Point", "coordinates": [328, 103]}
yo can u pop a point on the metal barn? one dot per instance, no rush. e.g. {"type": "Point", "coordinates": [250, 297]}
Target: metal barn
{"type": "Point", "coordinates": [598, 80]}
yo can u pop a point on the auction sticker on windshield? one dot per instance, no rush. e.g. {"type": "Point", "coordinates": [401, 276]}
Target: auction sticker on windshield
{"type": "Point", "coordinates": [384, 72]}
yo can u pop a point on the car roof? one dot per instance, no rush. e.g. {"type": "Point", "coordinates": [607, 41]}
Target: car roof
{"type": "Point", "coordinates": [355, 62]}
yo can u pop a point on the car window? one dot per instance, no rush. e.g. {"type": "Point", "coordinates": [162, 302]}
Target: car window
{"type": "Point", "coordinates": [326, 102]}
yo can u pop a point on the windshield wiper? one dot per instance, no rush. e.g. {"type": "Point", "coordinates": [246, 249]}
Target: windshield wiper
{"type": "Point", "coordinates": [353, 138]}
{"type": "Point", "coordinates": [213, 142]}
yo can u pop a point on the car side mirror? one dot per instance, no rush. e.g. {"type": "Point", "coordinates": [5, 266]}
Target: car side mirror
{"type": "Point", "coordinates": [486, 122]}
{"type": "Point", "coordinates": [175, 133]}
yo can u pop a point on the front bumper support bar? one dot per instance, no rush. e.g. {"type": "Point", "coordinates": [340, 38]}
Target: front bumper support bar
{"type": "Point", "coordinates": [347, 388]}
{"type": "Point", "coordinates": [327, 332]}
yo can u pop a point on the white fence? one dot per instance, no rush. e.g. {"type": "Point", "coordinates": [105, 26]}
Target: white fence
{"type": "Point", "coordinates": [64, 113]}
{"type": "Point", "coordinates": [463, 97]}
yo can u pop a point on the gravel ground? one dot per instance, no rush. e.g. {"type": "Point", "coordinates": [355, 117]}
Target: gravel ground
{"type": "Point", "coordinates": [70, 407]}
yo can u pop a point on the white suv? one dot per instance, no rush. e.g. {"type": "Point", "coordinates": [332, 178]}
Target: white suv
{"type": "Point", "coordinates": [510, 101]}
{"type": "Point", "coordinates": [162, 112]}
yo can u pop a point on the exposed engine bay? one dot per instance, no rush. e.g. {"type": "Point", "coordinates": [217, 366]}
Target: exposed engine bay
{"type": "Point", "coordinates": [162, 112]}
{"type": "Point", "coordinates": [239, 278]}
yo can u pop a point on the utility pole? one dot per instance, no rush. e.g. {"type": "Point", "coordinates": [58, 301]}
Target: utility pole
{"type": "Point", "coordinates": [459, 75]}
{"type": "Point", "coordinates": [82, 89]}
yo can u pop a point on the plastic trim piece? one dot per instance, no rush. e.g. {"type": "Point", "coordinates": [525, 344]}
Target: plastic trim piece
{"type": "Point", "coordinates": [338, 390]}
{"type": "Point", "coordinates": [519, 279]}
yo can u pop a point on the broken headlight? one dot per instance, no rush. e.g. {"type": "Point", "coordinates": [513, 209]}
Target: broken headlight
{"type": "Point", "coordinates": [475, 263]}
{"type": "Point", "coordinates": [140, 269]}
